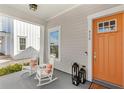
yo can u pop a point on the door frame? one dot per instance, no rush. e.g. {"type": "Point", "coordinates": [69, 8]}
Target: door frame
{"type": "Point", "coordinates": [90, 18]}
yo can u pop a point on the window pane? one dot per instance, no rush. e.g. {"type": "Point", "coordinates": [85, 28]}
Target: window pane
{"type": "Point", "coordinates": [112, 22]}
{"type": "Point", "coordinates": [100, 24]}
{"type": "Point", "coordinates": [106, 23]}
{"type": "Point", "coordinates": [22, 47]}
{"type": "Point", "coordinates": [54, 49]}
{"type": "Point", "coordinates": [106, 29]}
{"type": "Point", "coordinates": [112, 28]}
{"type": "Point", "coordinates": [22, 43]}
{"type": "Point", "coordinates": [101, 29]}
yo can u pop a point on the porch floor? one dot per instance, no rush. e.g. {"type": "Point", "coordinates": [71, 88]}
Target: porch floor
{"type": "Point", "coordinates": [19, 81]}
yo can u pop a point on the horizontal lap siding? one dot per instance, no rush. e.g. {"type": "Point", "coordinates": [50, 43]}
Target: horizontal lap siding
{"type": "Point", "coordinates": [74, 34]}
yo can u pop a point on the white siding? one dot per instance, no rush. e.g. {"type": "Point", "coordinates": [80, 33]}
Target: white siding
{"type": "Point", "coordinates": [6, 26]}
{"type": "Point", "coordinates": [0, 23]}
{"type": "Point", "coordinates": [5, 23]}
{"type": "Point", "coordinates": [30, 31]}
{"type": "Point", "coordinates": [74, 32]}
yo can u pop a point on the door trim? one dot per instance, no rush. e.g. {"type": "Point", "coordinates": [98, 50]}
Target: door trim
{"type": "Point", "coordinates": [90, 18]}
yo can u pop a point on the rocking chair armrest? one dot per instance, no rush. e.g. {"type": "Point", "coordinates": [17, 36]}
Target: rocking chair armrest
{"type": "Point", "coordinates": [42, 66]}
{"type": "Point", "coordinates": [40, 71]}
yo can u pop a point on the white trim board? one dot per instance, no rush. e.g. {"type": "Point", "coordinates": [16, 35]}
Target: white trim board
{"type": "Point", "coordinates": [107, 12]}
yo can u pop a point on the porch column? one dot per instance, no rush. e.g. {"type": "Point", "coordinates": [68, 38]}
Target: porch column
{"type": "Point", "coordinates": [6, 50]}
{"type": "Point", "coordinates": [41, 54]}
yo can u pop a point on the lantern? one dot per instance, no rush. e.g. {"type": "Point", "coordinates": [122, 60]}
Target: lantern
{"type": "Point", "coordinates": [75, 72]}
{"type": "Point", "coordinates": [82, 75]}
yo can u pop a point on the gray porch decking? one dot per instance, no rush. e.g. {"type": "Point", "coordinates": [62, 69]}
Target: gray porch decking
{"type": "Point", "coordinates": [19, 81]}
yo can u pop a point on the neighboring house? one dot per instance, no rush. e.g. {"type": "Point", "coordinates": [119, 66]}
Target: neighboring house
{"type": "Point", "coordinates": [16, 36]}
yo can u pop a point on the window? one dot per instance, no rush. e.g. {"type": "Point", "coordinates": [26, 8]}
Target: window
{"type": "Point", "coordinates": [22, 43]}
{"type": "Point", "coordinates": [107, 26]}
{"type": "Point", "coordinates": [54, 42]}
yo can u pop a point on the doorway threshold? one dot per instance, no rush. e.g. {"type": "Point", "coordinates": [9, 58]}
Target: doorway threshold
{"type": "Point", "coordinates": [107, 84]}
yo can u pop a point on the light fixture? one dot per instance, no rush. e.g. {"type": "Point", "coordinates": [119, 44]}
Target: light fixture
{"type": "Point", "coordinates": [33, 7]}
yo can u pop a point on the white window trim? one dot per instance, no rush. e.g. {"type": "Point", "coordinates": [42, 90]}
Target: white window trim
{"type": "Point", "coordinates": [90, 18]}
{"type": "Point", "coordinates": [52, 30]}
{"type": "Point", "coordinates": [19, 43]}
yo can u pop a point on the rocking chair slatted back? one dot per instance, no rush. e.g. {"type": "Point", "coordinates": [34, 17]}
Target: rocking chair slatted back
{"type": "Point", "coordinates": [51, 61]}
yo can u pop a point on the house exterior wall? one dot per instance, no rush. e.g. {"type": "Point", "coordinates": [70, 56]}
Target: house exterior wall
{"type": "Point", "coordinates": [1, 44]}
{"type": "Point", "coordinates": [15, 29]}
{"type": "Point", "coordinates": [30, 32]}
{"type": "Point", "coordinates": [5, 26]}
{"type": "Point", "coordinates": [74, 32]}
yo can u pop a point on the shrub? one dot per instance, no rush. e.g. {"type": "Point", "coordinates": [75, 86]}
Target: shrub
{"type": "Point", "coordinates": [10, 69]}
{"type": "Point", "coordinates": [26, 64]}
{"type": "Point", "coordinates": [3, 71]}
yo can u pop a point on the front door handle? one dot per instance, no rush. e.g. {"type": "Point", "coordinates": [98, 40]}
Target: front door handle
{"type": "Point", "coordinates": [94, 56]}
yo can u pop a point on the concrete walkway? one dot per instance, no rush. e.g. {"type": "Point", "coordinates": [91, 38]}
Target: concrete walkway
{"type": "Point", "coordinates": [6, 60]}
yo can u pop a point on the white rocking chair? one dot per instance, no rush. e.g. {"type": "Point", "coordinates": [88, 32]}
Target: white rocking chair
{"type": "Point", "coordinates": [42, 76]}
{"type": "Point", "coordinates": [31, 69]}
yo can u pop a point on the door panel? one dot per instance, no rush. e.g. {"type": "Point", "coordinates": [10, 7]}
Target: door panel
{"type": "Point", "coordinates": [107, 51]}
{"type": "Point", "coordinates": [101, 56]}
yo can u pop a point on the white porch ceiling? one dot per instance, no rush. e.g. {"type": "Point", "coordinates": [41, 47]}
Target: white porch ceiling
{"type": "Point", "coordinates": [44, 11]}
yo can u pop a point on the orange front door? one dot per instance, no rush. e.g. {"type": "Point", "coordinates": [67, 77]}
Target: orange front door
{"type": "Point", "coordinates": [107, 49]}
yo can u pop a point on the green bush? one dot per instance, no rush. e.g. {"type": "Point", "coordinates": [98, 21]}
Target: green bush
{"type": "Point", "coordinates": [3, 71]}
{"type": "Point", "coordinates": [10, 69]}
{"type": "Point", "coordinates": [26, 64]}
